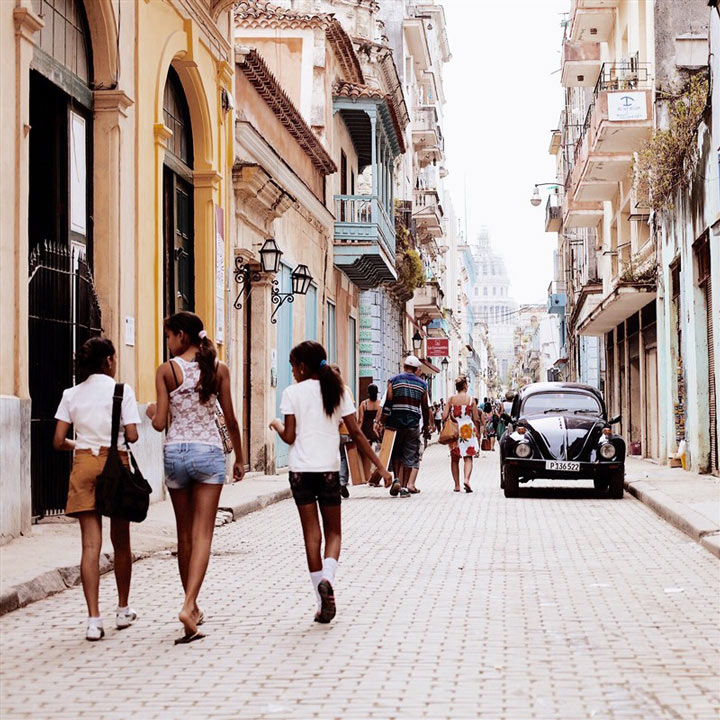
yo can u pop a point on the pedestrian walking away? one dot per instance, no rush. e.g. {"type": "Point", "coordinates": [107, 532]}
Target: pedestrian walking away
{"type": "Point", "coordinates": [189, 386]}
{"type": "Point", "coordinates": [465, 412]}
{"type": "Point", "coordinates": [425, 431]}
{"type": "Point", "coordinates": [88, 408]}
{"type": "Point", "coordinates": [438, 413]}
{"type": "Point", "coordinates": [313, 408]}
{"type": "Point", "coordinates": [367, 418]}
{"type": "Point", "coordinates": [406, 403]}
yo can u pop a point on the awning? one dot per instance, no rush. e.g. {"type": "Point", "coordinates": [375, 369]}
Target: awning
{"type": "Point", "coordinates": [429, 368]}
{"type": "Point", "coordinates": [625, 300]}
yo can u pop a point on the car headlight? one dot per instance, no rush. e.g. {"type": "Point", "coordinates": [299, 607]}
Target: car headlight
{"type": "Point", "coordinates": [607, 451]}
{"type": "Point", "coordinates": [523, 450]}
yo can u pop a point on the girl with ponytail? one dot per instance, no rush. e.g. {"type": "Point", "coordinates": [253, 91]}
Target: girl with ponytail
{"type": "Point", "coordinates": [313, 409]}
{"type": "Point", "coordinates": [189, 386]}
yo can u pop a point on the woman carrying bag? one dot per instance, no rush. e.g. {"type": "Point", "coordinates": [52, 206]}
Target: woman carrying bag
{"type": "Point", "coordinates": [189, 386]}
{"type": "Point", "coordinates": [464, 411]}
{"type": "Point", "coordinates": [88, 407]}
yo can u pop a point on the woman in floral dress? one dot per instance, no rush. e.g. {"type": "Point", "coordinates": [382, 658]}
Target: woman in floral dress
{"type": "Point", "coordinates": [465, 413]}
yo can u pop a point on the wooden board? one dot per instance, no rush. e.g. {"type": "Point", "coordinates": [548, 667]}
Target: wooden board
{"type": "Point", "coordinates": [388, 442]}
{"type": "Point", "coordinates": [355, 464]}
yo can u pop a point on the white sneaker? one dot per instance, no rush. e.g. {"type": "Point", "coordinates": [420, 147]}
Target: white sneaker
{"type": "Point", "coordinates": [125, 617]}
{"type": "Point", "coordinates": [95, 631]}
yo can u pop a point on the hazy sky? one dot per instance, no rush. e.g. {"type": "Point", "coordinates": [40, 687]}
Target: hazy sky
{"type": "Point", "coordinates": [503, 98]}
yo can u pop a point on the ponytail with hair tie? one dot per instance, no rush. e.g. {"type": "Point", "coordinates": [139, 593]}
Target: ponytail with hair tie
{"type": "Point", "coordinates": [313, 355]}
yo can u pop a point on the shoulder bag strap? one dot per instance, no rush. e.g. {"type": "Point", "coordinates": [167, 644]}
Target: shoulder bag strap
{"type": "Point", "coordinates": [172, 367]}
{"type": "Point", "coordinates": [117, 406]}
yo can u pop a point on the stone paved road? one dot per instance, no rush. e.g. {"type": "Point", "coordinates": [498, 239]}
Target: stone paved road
{"type": "Point", "coordinates": [554, 605]}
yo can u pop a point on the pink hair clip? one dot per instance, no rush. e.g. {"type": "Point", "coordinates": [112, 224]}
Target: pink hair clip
{"type": "Point", "coordinates": [202, 334]}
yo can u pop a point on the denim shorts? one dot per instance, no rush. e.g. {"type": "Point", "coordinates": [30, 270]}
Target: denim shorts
{"type": "Point", "coordinates": [186, 463]}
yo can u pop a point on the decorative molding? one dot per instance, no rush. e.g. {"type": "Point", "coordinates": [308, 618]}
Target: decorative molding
{"type": "Point", "coordinates": [219, 6]}
{"type": "Point", "coordinates": [27, 23]}
{"type": "Point", "coordinates": [261, 152]}
{"type": "Point", "coordinates": [113, 101]}
{"type": "Point", "coordinates": [162, 134]}
{"type": "Point", "coordinates": [206, 179]}
{"type": "Point", "coordinates": [255, 186]}
{"type": "Point", "coordinates": [256, 71]}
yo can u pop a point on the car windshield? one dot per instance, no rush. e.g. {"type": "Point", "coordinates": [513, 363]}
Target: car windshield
{"type": "Point", "coordinates": [561, 402]}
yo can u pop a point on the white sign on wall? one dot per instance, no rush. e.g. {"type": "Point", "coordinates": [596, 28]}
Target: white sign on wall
{"type": "Point", "coordinates": [78, 175]}
{"type": "Point", "coordinates": [627, 106]}
{"type": "Point", "coordinates": [219, 275]}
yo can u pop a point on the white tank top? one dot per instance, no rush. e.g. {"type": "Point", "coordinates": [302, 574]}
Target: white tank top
{"type": "Point", "coordinates": [190, 420]}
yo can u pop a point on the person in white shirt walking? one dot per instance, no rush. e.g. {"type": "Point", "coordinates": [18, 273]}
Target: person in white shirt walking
{"type": "Point", "coordinates": [189, 386]}
{"type": "Point", "coordinates": [88, 407]}
{"type": "Point", "coordinates": [313, 409]}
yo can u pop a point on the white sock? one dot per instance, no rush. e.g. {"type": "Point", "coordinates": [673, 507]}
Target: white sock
{"type": "Point", "coordinates": [315, 578]}
{"type": "Point", "coordinates": [95, 621]}
{"type": "Point", "coordinates": [121, 610]}
{"type": "Point", "coordinates": [329, 567]}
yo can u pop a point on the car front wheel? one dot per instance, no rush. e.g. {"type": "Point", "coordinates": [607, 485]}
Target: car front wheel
{"type": "Point", "coordinates": [617, 484]}
{"type": "Point", "coordinates": [511, 483]}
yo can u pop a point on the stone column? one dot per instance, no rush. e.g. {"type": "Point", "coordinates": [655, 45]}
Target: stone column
{"type": "Point", "coordinates": [113, 244]}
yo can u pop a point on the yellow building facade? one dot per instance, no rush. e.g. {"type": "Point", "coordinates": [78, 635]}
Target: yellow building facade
{"type": "Point", "coordinates": [117, 124]}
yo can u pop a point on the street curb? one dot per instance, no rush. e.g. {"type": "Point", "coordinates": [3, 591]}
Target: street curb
{"type": "Point", "coordinates": [55, 581]}
{"type": "Point", "coordinates": [697, 526]}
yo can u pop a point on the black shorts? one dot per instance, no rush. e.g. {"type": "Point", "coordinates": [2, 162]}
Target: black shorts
{"type": "Point", "coordinates": [316, 487]}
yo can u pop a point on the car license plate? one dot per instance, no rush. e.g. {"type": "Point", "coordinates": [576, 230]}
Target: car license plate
{"type": "Point", "coordinates": [562, 465]}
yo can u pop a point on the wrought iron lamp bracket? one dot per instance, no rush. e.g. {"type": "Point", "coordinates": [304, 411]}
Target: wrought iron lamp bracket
{"type": "Point", "coordinates": [245, 275]}
{"type": "Point", "coordinates": [278, 299]}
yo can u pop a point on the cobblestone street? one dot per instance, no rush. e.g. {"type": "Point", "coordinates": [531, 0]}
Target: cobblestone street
{"type": "Point", "coordinates": [558, 604]}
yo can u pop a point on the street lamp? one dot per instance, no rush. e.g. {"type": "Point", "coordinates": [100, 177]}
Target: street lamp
{"type": "Point", "coordinates": [535, 198]}
{"type": "Point", "coordinates": [270, 255]}
{"type": "Point", "coordinates": [417, 341]}
{"type": "Point", "coordinates": [445, 364]}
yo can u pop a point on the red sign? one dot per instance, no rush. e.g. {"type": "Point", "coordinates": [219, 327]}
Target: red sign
{"type": "Point", "coordinates": [438, 347]}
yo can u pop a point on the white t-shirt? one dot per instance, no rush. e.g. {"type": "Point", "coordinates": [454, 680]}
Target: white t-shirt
{"type": "Point", "coordinates": [317, 436]}
{"type": "Point", "coordinates": [88, 406]}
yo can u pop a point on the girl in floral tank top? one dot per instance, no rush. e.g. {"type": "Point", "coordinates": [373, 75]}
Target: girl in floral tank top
{"type": "Point", "coordinates": [188, 387]}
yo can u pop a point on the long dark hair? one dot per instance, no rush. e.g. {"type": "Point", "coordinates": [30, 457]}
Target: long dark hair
{"type": "Point", "coordinates": [372, 391]}
{"type": "Point", "coordinates": [314, 357]}
{"type": "Point", "coordinates": [91, 356]}
{"type": "Point", "coordinates": [206, 356]}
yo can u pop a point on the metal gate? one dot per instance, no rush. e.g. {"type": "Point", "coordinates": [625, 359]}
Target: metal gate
{"type": "Point", "coordinates": [63, 313]}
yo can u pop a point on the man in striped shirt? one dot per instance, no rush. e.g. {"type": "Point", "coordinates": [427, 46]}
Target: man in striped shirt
{"type": "Point", "coordinates": [406, 403]}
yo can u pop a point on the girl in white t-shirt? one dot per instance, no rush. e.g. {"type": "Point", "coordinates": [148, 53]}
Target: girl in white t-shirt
{"type": "Point", "coordinates": [88, 407]}
{"type": "Point", "coordinates": [313, 408]}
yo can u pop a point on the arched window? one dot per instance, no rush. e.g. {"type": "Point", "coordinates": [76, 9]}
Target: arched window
{"type": "Point", "coordinates": [177, 119]}
{"type": "Point", "coordinates": [65, 36]}
{"type": "Point", "coordinates": [178, 220]}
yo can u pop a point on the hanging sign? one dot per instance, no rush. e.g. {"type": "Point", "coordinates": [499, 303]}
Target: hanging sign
{"type": "Point", "coordinates": [438, 347]}
{"type": "Point", "coordinates": [219, 275]}
{"type": "Point", "coordinates": [627, 106]}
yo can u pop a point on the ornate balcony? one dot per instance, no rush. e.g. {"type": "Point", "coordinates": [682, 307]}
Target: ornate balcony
{"type": "Point", "coordinates": [618, 121]}
{"type": "Point", "coordinates": [428, 212]}
{"type": "Point", "coordinates": [364, 240]}
{"type": "Point", "coordinates": [428, 301]}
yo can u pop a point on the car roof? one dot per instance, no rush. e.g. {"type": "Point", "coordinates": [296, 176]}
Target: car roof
{"type": "Point", "coordinates": [543, 387]}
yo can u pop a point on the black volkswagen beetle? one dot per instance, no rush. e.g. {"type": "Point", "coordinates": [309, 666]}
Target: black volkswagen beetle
{"type": "Point", "coordinates": [561, 431]}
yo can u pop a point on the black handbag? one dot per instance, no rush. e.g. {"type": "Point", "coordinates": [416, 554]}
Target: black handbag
{"type": "Point", "coordinates": [121, 492]}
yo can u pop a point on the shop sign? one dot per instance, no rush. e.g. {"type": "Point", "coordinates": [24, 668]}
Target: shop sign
{"type": "Point", "coordinates": [438, 347]}
{"type": "Point", "coordinates": [627, 106]}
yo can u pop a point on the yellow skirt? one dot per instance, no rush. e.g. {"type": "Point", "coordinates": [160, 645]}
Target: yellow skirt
{"type": "Point", "coordinates": [86, 467]}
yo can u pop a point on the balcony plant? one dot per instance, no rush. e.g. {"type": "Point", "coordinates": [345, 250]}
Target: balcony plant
{"type": "Point", "coordinates": [666, 162]}
{"type": "Point", "coordinates": [638, 270]}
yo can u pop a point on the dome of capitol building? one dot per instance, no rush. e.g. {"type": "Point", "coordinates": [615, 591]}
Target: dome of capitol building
{"type": "Point", "coordinates": [491, 300]}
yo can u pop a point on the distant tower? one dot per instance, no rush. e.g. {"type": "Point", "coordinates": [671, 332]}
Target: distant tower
{"type": "Point", "coordinates": [492, 302]}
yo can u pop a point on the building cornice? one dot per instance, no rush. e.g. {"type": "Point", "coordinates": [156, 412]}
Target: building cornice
{"type": "Point", "coordinates": [256, 71]}
{"type": "Point", "coordinates": [259, 151]}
